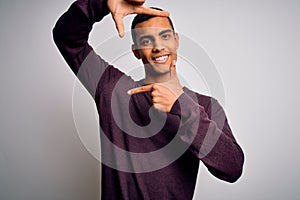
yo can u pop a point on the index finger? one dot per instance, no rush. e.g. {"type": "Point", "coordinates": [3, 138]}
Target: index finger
{"type": "Point", "coordinates": [146, 88]}
{"type": "Point", "coordinates": [151, 11]}
{"type": "Point", "coordinates": [173, 69]}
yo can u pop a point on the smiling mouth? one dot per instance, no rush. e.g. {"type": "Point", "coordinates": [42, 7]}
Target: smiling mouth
{"type": "Point", "coordinates": [161, 59]}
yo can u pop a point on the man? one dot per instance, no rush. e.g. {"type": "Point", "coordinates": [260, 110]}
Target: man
{"type": "Point", "coordinates": [154, 132]}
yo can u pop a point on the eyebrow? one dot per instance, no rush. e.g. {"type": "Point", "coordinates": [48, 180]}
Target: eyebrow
{"type": "Point", "coordinates": [150, 36]}
{"type": "Point", "coordinates": [165, 31]}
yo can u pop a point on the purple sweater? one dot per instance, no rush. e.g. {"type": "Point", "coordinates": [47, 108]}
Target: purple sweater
{"type": "Point", "coordinates": [145, 154]}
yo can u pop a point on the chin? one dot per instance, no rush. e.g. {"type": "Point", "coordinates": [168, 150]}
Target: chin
{"type": "Point", "coordinates": [161, 68]}
{"type": "Point", "coordinates": [157, 69]}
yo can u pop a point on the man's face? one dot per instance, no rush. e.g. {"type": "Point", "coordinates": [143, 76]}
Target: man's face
{"type": "Point", "coordinates": [156, 44]}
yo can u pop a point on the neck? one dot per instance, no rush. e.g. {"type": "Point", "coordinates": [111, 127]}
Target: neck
{"type": "Point", "coordinates": [149, 78]}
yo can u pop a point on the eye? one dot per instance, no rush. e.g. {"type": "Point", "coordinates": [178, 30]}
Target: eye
{"type": "Point", "coordinates": [166, 36]}
{"type": "Point", "coordinates": [146, 42]}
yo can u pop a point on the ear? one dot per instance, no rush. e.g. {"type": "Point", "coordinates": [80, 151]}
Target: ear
{"type": "Point", "coordinates": [177, 40]}
{"type": "Point", "coordinates": [135, 51]}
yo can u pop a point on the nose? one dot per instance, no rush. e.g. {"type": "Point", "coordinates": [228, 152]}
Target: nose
{"type": "Point", "coordinates": [158, 46]}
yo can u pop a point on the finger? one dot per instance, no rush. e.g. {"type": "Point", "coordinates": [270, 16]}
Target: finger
{"type": "Point", "coordinates": [173, 69]}
{"type": "Point", "coordinates": [136, 2]}
{"type": "Point", "coordinates": [151, 11]}
{"type": "Point", "coordinates": [119, 24]}
{"type": "Point", "coordinates": [146, 88]}
{"type": "Point", "coordinates": [159, 107]}
{"type": "Point", "coordinates": [154, 92]}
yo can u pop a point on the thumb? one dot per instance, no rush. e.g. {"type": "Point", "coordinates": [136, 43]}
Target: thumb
{"type": "Point", "coordinates": [118, 19]}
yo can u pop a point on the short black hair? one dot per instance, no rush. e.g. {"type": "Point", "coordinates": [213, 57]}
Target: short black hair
{"type": "Point", "coordinates": [139, 18]}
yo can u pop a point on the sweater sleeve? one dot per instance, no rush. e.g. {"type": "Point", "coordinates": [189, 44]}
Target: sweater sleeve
{"type": "Point", "coordinates": [71, 34]}
{"type": "Point", "coordinates": [209, 135]}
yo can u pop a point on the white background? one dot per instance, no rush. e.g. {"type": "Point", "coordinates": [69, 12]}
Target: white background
{"type": "Point", "coordinates": [254, 45]}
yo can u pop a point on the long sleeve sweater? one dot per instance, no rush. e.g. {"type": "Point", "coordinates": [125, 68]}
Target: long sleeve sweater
{"type": "Point", "coordinates": [145, 154]}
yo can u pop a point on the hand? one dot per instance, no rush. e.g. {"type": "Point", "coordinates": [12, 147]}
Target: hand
{"type": "Point", "coordinates": [136, 2]}
{"type": "Point", "coordinates": [121, 8]}
{"type": "Point", "coordinates": [163, 94]}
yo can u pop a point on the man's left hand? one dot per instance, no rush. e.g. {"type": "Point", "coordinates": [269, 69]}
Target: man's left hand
{"type": "Point", "coordinates": [163, 94]}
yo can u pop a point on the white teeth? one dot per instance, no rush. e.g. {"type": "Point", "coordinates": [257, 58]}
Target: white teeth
{"type": "Point", "coordinates": [161, 58]}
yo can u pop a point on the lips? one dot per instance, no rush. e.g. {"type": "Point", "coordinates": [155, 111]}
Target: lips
{"type": "Point", "coordinates": [161, 59]}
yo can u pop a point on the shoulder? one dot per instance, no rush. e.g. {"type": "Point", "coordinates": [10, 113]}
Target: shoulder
{"type": "Point", "coordinates": [203, 100]}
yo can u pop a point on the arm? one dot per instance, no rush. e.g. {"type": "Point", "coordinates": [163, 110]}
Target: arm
{"type": "Point", "coordinates": [72, 30]}
{"type": "Point", "coordinates": [210, 136]}
{"type": "Point", "coordinates": [205, 131]}
{"type": "Point", "coordinates": [71, 37]}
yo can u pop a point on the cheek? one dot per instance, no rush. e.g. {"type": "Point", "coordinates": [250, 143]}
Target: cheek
{"type": "Point", "coordinates": [172, 47]}
{"type": "Point", "coordinates": [145, 53]}
{"type": "Point", "coordinates": [173, 50]}
{"type": "Point", "coordinates": [145, 56]}
{"type": "Point", "coordinates": [174, 56]}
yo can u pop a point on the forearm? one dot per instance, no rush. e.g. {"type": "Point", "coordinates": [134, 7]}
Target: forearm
{"type": "Point", "coordinates": [72, 30]}
{"type": "Point", "coordinates": [210, 137]}
{"type": "Point", "coordinates": [71, 34]}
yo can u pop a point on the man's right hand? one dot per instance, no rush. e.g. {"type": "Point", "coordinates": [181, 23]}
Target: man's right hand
{"type": "Point", "coordinates": [121, 8]}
